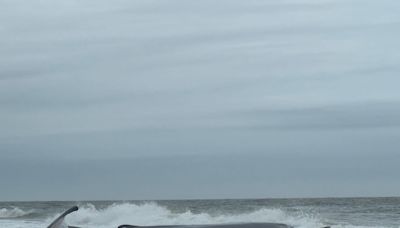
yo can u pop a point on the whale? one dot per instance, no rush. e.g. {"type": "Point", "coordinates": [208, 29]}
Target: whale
{"type": "Point", "coordinates": [59, 223]}
{"type": "Point", "coordinates": [234, 225]}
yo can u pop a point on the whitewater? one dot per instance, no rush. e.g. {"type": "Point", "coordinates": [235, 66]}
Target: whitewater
{"type": "Point", "coordinates": [300, 213]}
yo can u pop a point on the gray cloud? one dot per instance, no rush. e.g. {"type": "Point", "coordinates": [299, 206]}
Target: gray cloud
{"type": "Point", "coordinates": [83, 83]}
{"type": "Point", "coordinates": [324, 117]}
{"type": "Point", "coordinates": [202, 176]}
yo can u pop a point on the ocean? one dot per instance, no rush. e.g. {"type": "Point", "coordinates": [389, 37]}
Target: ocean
{"type": "Point", "coordinates": [301, 213]}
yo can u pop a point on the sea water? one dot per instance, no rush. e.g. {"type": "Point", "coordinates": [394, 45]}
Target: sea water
{"type": "Point", "coordinates": [300, 213]}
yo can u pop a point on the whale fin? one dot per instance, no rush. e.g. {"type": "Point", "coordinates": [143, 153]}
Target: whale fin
{"type": "Point", "coordinates": [58, 221]}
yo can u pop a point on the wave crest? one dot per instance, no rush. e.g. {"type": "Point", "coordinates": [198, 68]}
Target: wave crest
{"type": "Point", "coordinates": [153, 214]}
{"type": "Point", "coordinates": [14, 212]}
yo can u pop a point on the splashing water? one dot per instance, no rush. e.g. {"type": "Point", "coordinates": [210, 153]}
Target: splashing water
{"type": "Point", "coordinates": [14, 212]}
{"type": "Point", "coordinates": [304, 213]}
{"type": "Point", "coordinates": [154, 214]}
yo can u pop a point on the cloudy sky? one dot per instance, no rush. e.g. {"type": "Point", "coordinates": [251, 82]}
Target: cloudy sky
{"type": "Point", "coordinates": [176, 99]}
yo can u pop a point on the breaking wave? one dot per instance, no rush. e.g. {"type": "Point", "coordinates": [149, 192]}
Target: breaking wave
{"type": "Point", "coordinates": [154, 214]}
{"type": "Point", "coordinates": [148, 214]}
{"type": "Point", "coordinates": [14, 212]}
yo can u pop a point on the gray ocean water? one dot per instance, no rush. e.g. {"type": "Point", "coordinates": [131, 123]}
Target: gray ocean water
{"type": "Point", "coordinates": [335, 212]}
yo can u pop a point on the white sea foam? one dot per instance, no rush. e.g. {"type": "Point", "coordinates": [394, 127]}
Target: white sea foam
{"type": "Point", "coordinates": [89, 216]}
{"type": "Point", "coordinates": [14, 212]}
{"type": "Point", "coordinates": [154, 214]}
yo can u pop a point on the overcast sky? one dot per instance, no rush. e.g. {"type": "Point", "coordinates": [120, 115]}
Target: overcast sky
{"type": "Point", "coordinates": [153, 99]}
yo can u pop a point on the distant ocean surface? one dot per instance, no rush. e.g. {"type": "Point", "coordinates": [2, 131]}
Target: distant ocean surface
{"type": "Point", "coordinates": [335, 212]}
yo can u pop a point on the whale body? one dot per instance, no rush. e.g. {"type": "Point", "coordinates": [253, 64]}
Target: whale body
{"type": "Point", "coordinates": [235, 225]}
